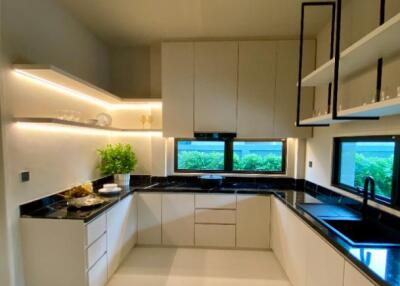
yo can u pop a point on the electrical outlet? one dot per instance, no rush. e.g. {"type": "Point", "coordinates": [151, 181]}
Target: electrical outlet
{"type": "Point", "coordinates": [310, 164]}
{"type": "Point", "coordinates": [25, 176]}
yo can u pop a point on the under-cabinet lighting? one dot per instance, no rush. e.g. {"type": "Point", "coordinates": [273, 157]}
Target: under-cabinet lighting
{"type": "Point", "coordinates": [82, 96]}
{"type": "Point", "coordinates": [59, 128]}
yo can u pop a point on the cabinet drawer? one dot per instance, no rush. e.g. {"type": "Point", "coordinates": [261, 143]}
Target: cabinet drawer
{"type": "Point", "coordinates": [215, 216]}
{"type": "Point", "coordinates": [96, 250]}
{"type": "Point", "coordinates": [215, 201]}
{"type": "Point", "coordinates": [97, 276]}
{"type": "Point", "coordinates": [215, 235]}
{"type": "Point", "coordinates": [95, 229]}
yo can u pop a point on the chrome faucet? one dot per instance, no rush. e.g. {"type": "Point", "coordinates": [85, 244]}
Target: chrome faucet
{"type": "Point", "coordinates": [367, 194]}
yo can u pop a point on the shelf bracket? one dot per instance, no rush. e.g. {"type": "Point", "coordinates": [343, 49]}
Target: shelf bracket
{"type": "Point", "coordinates": [300, 76]}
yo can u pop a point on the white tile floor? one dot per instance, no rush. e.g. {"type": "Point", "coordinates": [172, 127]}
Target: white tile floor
{"type": "Point", "coordinates": [199, 267]}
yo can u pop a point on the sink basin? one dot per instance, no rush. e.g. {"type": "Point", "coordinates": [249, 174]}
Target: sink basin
{"type": "Point", "coordinates": [364, 233]}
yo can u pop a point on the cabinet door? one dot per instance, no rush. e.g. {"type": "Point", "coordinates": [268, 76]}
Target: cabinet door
{"type": "Point", "coordinates": [177, 89]}
{"type": "Point", "coordinates": [324, 265]}
{"type": "Point", "coordinates": [178, 219]}
{"type": "Point", "coordinates": [252, 221]}
{"type": "Point", "coordinates": [353, 277]}
{"type": "Point", "coordinates": [149, 218]}
{"type": "Point", "coordinates": [278, 235]}
{"type": "Point", "coordinates": [130, 228]}
{"type": "Point", "coordinates": [117, 221]}
{"type": "Point", "coordinates": [286, 89]}
{"type": "Point", "coordinates": [256, 89]}
{"type": "Point", "coordinates": [215, 86]}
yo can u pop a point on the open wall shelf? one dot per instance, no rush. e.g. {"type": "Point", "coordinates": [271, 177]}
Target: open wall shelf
{"type": "Point", "coordinates": [54, 124]}
{"type": "Point", "coordinates": [383, 42]}
{"type": "Point", "coordinates": [59, 79]}
{"type": "Point", "coordinates": [382, 108]}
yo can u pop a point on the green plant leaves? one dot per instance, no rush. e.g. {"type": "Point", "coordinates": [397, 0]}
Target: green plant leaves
{"type": "Point", "coordinates": [117, 159]}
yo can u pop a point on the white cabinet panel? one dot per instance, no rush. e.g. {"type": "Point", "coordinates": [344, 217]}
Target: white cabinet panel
{"type": "Point", "coordinates": [96, 250]}
{"type": "Point", "coordinates": [324, 265]}
{"type": "Point", "coordinates": [216, 216]}
{"type": "Point", "coordinates": [256, 89]}
{"type": "Point", "coordinates": [117, 222]}
{"type": "Point", "coordinates": [286, 89]}
{"type": "Point", "coordinates": [215, 235]}
{"type": "Point", "coordinates": [215, 86]}
{"type": "Point", "coordinates": [95, 229]}
{"type": "Point", "coordinates": [97, 276]}
{"type": "Point", "coordinates": [130, 229]}
{"type": "Point", "coordinates": [253, 221]}
{"type": "Point", "coordinates": [177, 89]}
{"type": "Point", "coordinates": [149, 218]}
{"type": "Point", "coordinates": [353, 277]}
{"type": "Point", "coordinates": [178, 219]}
{"type": "Point", "coordinates": [215, 201]}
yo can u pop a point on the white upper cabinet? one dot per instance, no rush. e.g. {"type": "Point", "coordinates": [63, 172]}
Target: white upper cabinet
{"type": "Point", "coordinates": [256, 89]}
{"type": "Point", "coordinates": [177, 89]}
{"type": "Point", "coordinates": [286, 89]}
{"type": "Point", "coordinates": [215, 86]}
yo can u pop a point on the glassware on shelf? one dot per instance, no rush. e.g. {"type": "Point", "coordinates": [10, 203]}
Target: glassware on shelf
{"type": "Point", "coordinates": [398, 91]}
{"type": "Point", "coordinates": [143, 120]}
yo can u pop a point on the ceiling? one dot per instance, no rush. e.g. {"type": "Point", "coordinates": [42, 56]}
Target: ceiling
{"type": "Point", "coordinates": [140, 22]}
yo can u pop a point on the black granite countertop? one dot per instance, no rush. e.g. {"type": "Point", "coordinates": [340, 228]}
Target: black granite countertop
{"type": "Point", "coordinates": [382, 264]}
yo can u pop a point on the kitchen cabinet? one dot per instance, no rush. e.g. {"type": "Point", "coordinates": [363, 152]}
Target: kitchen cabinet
{"type": "Point", "coordinates": [215, 235]}
{"type": "Point", "coordinates": [178, 219]}
{"type": "Point", "coordinates": [256, 89]}
{"type": "Point", "coordinates": [353, 277]}
{"type": "Point", "coordinates": [178, 89]}
{"type": "Point", "coordinates": [252, 221]}
{"type": "Point", "coordinates": [285, 104]}
{"type": "Point", "coordinates": [324, 265]}
{"type": "Point", "coordinates": [215, 86]}
{"type": "Point", "coordinates": [121, 232]}
{"type": "Point", "coordinates": [149, 218]}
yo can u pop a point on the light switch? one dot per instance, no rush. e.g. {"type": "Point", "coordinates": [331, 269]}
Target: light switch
{"type": "Point", "coordinates": [310, 164]}
{"type": "Point", "coordinates": [25, 176]}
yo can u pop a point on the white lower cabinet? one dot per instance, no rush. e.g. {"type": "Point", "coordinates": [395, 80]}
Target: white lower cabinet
{"type": "Point", "coordinates": [121, 232]}
{"type": "Point", "coordinates": [324, 265]}
{"type": "Point", "coordinates": [353, 277]}
{"type": "Point", "coordinates": [178, 219]}
{"type": "Point", "coordinates": [78, 253]}
{"type": "Point", "coordinates": [215, 235]}
{"type": "Point", "coordinates": [97, 276]}
{"type": "Point", "coordinates": [253, 221]}
{"type": "Point", "coordinates": [305, 256]}
{"type": "Point", "coordinates": [149, 218]}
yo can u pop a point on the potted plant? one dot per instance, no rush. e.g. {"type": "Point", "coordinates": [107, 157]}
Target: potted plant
{"type": "Point", "coordinates": [118, 160]}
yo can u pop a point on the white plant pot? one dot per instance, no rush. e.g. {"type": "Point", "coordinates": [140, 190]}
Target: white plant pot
{"type": "Point", "coordinates": [122, 180]}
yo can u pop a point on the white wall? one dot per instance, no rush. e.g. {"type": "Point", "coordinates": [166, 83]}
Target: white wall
{"type": "Point", "coordinates": [358, 20]}
{"type": "Point", "coordinates": [41, 32]}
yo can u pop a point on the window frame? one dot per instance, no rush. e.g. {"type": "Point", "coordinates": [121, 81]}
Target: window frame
{"type": "Point", "coordinates": [394, 200]}
{"type": "Point", "coordinates": [228, 155]}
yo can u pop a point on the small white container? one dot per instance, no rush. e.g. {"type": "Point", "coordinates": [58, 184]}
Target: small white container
{"type": "Point", "coordinates": [110, 186]}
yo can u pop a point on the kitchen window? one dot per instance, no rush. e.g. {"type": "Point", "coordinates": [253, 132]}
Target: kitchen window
{"type": "Point", "coordinates": [355, 158]}
{"type": "Point", "coordinates": [231, 156]}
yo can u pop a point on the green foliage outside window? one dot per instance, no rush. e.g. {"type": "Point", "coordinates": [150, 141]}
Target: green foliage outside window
{"type": "Point", "coordinates": [381, 169]}
{"type": "Point", "coordinates": [194, 160]}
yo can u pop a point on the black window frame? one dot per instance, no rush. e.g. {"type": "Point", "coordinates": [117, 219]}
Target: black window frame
{"type": "Point", "coordinates": [394, 201]}
{"type": "Point", "coordinates": [228, 156]}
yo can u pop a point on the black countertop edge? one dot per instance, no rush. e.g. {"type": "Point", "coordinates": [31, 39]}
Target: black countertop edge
{"type": "Point", "coordinates": [334, 240]}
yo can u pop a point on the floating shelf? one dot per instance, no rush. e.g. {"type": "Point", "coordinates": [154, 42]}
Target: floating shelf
{"type": "Point", "coordinates": [378, 109]}
{"type": "Point", "coordinates": [72, 85]}
{"type": "Point", "coordinates": [55, 124]}
{"type": "Point", "coordinates": [318, 120]}
{"type": "Point", "coordinates": [383, 42]}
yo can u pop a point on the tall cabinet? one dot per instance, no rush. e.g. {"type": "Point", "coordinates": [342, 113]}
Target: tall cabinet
{"type": "Point", "coordinates": [215, 86]}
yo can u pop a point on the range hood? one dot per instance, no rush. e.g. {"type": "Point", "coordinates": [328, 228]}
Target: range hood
{"type": "Point", "coordinates": [220, 136]}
